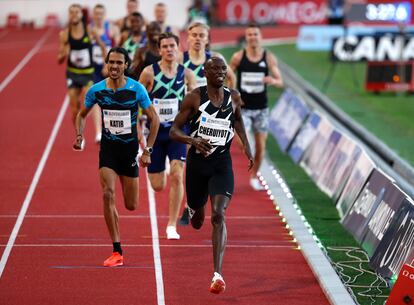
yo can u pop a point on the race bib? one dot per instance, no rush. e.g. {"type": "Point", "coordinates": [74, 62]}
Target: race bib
{"type": "Point", "coordinates": [167, 109]}
{"type": "Point", "coordinates": [214, 130]}
{"type": "Point", "coordinates": [252, 82]}
{"type": "Point", "coordinates": [80, 58]}
{"type": "Point", "coordinates": [97, 54]}
{"type": "Point", "coordinates": [118, 122]}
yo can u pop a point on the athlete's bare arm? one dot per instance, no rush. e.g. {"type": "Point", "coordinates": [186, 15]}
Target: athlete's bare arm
{"type": "Point", "coordinates": [190, 79]}
{"type": "Point", "coordinates": [80, 126]}
{"type": "Point", "coordinates": [138, 61]}
{"type": "Point", "coordinates": [189, 108]}
{"type": "Point", "coordinates": [124, 37]}
{"type": "Point", "coordinates": [239, 126]}
{"type": "Point", "coordinates": [276, 78]}
{"type": "Point", "coordinates": [147, 78]}
{"type": "Point", "coordinates": [235, 60]}
{"type": "Point", "coordinates": [115, 33]}
{"type": "Point", "coordinates": [154, 120]}
{"type": "Point", "coordinates": [92, 32]}
{"type": "Point", "coordinates": [63, 46]}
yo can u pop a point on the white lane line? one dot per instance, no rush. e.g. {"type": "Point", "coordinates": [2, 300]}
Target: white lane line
{"type": "Point", "coordinates": [155, 243]}
{"type": "Point", "coordinates": [151, 245]}
{"type": "Point", "coordinates": [25, 60]}
{"type": "Point", "coordinates": [33, 185]}
{"type": "Point", "coordinates": [131, 216]}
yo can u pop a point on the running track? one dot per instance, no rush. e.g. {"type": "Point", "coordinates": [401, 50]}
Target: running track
{"type": "Point", "coordinates": [57, 254]}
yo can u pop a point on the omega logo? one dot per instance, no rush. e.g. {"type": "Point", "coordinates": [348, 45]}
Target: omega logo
{"type": "Point", "coordinates": [408, 274]}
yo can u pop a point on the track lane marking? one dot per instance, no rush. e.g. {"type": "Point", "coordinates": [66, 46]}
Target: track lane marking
{"type": "Point", "coordinates": [24, 61]}
{"type": "Point", "coordinates": [151, 245]}
{"type": "Point", "coordinates": [155, 243]}
{"type": "Point", "coordinates": [33, 185]}
{"type": "Point", "coordinates": [131, 216]}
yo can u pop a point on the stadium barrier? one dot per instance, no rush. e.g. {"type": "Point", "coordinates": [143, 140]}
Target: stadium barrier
{"type": "Point", "coordinates": [373, 197]}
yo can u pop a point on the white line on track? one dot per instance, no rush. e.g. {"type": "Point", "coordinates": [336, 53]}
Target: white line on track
{"type": "Point", "coordinates": [155, 244]}
{"type": "Point", "coordinates": [151, 245]}
{"type": "Point", "coordinates": [25, 60]}
{"type": "Point", "coordinates": [33, 185]}
{"type": "Point", "coordinates": [132, 216]}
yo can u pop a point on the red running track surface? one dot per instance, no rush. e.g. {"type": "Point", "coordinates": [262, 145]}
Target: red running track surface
{"type": "Point", "coordinates": [63, 241]}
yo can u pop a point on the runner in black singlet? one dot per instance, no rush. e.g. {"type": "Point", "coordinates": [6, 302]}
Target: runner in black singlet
{"type": "Point", "coordinates": [214, 114]}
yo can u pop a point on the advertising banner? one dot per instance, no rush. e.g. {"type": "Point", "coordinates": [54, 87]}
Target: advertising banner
{"type": "Point", "coordinates": [241, 12]}
{"type": "Point", "coordinates": [338, 168]}
{"type": "Point", "coordinates": [397, 245]}
{"type": "Point", "coordinates": [381, 218]}
{"type": "Point", "coordinates": [286, 118]}
{"type": "Point", "coordinates": [373, 48]}
{"type": "Point", "coordinates": [371, 196]}
{"type": "Point", "coordinates": [359, 175]}
{"type": "Point", "coordinates": [321, 148]}
{"type": "Point", "coordinates": [305, 137]}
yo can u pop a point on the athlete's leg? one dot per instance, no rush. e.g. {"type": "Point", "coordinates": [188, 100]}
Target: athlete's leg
{"type": "Point", "coordinates": [197, 219]}
{"type": "Point", "coordinates": [219, 236]}
{"type": "Point", "coordinates": [74, 102]}
{"type": "Point", "coordinates": [158, 181]}
{"type": "Point", "coordinates": [108, 180]}
{"type": "Point", "coordinates": [130, 190]}
{"type": "Point", "coordinates": [176, 190]}
{"type": "Point", "coordinates": [260, 148]}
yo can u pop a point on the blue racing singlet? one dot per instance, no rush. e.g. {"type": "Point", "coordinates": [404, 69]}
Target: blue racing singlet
{"type": "Point", "coordinates": [166, 95]}
{"type": "Point", "coordinates": [119, 110]}
{"type": "Point", "coordinates": [197, 69]}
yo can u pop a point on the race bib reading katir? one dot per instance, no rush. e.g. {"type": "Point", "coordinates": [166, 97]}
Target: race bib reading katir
{"type": "Point", "coordinates": [252, 82]}
{"type": "Point", "coordinates": [214, 130]}
{"type": "Point", "coordinates": [167, 109]}
{"type": "Point", "coordinates": [80, 58]}
{"type": "Point", "coordinates": [118, 122]}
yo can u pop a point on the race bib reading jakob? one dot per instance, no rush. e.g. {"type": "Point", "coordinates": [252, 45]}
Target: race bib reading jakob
{"type": "Point", "coordinates": [166, 109]}
{"type": "Point", "coordinates": [118, 122]}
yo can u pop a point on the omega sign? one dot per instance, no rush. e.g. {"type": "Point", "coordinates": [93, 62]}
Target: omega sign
{"type": "Point", "coordinates": [408, 274]}
{"type": "Point", "coordinates": [271, 12]}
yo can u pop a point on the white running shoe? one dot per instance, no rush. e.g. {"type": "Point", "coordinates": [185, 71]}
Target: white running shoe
{"type": "Point", "coordinates": [256, 185]}
{"type": "Point", "coordinates": [172, 233]}
{"type": "Point", "coordinates": [217, 284]}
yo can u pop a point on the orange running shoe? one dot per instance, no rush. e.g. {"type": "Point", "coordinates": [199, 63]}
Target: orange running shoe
{"type": "Point", "coordinates": [217, 284]}
{"type": "Point", "coordinates": [114, 260]}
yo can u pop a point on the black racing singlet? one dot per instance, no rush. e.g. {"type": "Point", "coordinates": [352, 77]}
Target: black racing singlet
{"type": "Point", "coordinates": [215, 124]}
{"type": "Point", "coordinates": [250, 82]}
{"type": "Point", "coordinates": [150, 58]}
{"type": "Point", "coordinates": [80, 54]}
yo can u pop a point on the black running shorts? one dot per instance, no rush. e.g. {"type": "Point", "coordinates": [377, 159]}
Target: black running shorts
{"type": "Point", "coordinates": [123, 161]}
{"type": "Point", "coordinates": [208, 177]}
{"type": "Point", "coordinates": [75, 80]}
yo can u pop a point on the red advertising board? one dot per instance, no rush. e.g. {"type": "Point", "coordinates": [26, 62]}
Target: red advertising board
{"type": "Point", "coordinates": [272, 11]}
{"type": "Point", "coordinates": [403, 290]}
